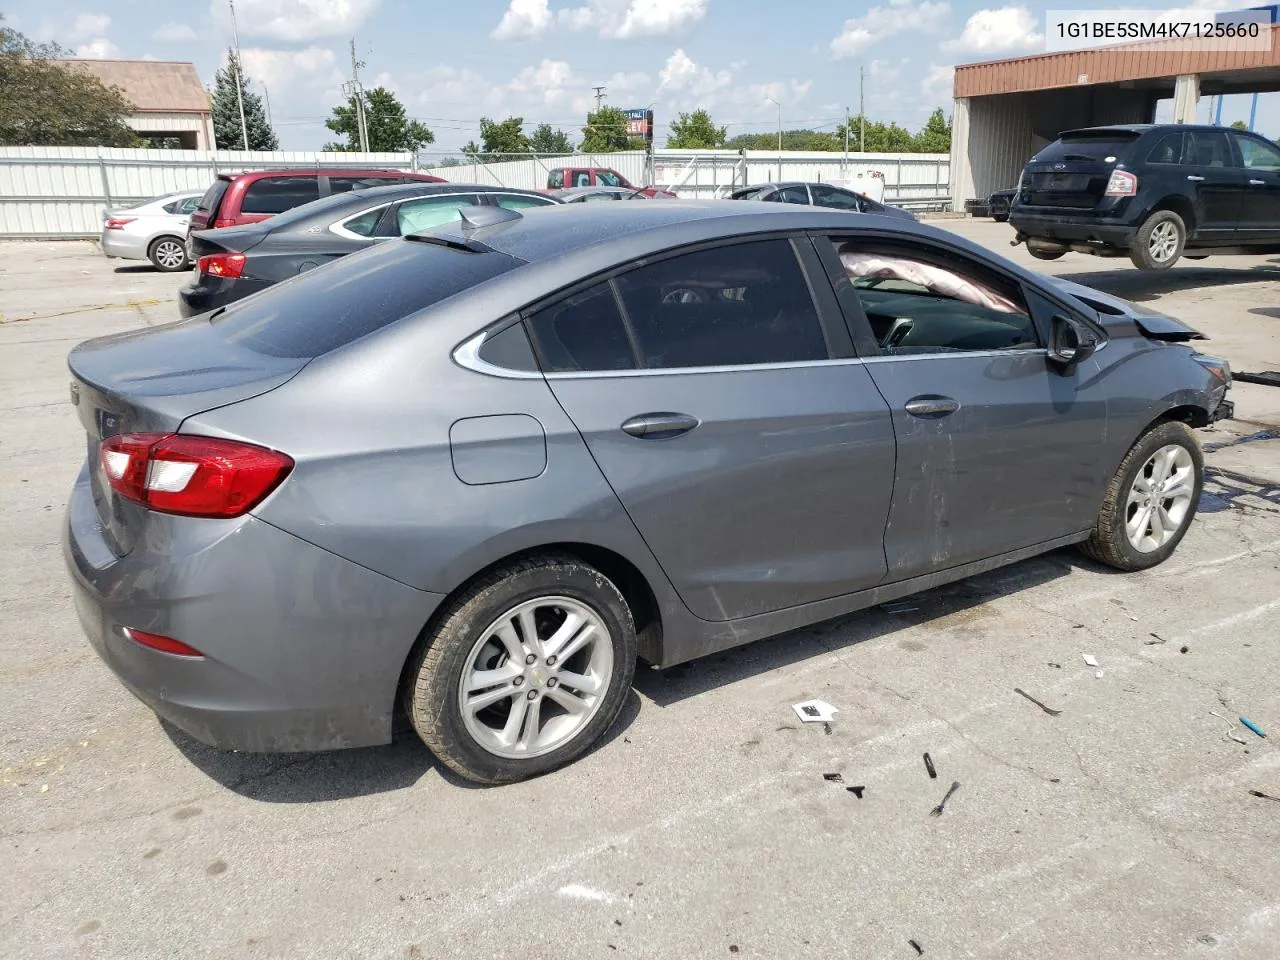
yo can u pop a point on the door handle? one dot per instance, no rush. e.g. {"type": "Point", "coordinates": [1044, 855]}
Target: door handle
{"type": "Point", "coordinates": [659, 426]}
{"type": "Point", "coordinates": [1257, 183]}
{"type": "Point", "coordinates": [1194, 179]}
{"type": "Point", "coordinates": [931, 407]}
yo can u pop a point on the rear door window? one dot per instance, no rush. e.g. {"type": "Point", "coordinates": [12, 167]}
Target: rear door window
{"type": "Point", "coordinates": [1168, 149]}
{"type": "Point", "coordinates": [792, 194]}
{"type": "Point", "coordinates": [518, 201]}
{"type": "Point", "coordinates": [170, 207]}
{"type": "Point", "coordinates": [608, 178]}
{"type": "Point", "coordinates": [582, 333]}
{"type": "Point", "coordinates": [555, 180]}
{"type": "Point", "coordinates": [277, 194]}
{"type": "Point", "coordinates": [188, 205]}
{"type": "Point", "coordinates": [825, 196]}
{"type": "Point", "coordinates": [414, 216]}
{"type": "Point", "coordinates": [1207, 148]}
{"type": "Point", "coordinates": [363, 224]}
{"type": "Point", "coordinates": [347, 184]}
{"type": "Point", "coordinates": [342, 301]}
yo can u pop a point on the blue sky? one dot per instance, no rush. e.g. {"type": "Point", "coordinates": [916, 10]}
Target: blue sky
{"type": "Point", "coordinates": [453, 62]}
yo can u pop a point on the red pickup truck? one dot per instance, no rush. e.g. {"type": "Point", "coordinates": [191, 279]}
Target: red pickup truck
{"type": "Point", "coordinates": [561, 178]}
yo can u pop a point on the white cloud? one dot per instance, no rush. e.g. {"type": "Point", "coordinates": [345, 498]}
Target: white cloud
{"type": "Point", "coordinates": [296, 20]}
{"type": "Point", "coordinates": [99, 49]}
{"type": "Point", "coordinates": [550, 81]}
{"type": "Point", "coordinates": [997, 31]}
{"type": "Point", "coordinates": [313, 68]}
{"type": "Point", "coordinates": [174, 33]}
{"type": "Point", "coordinates": [682, 75]}
{"type": "Point", "coordinates": [88, 26]}
{"type": "Point", "coordinates": [938, 83]}
{"type": "Point", "coordinates": [901, 16]}
{"type": "Point", "coordinates": [659, 18]}
{"type": "Point", "coordinates": [782, 91]}
{"type": "Point", "coordinates": [524, 19]}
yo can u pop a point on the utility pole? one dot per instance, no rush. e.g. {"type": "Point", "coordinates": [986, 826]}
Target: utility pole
{"type": "Point", "coordinates": [600, 95]}
{"type": "Point", "coordinates": [862, 112]}
{"type": "Point", "coordinates": [353, 90]}
{"type": "Point", "coordinates": [235, 35]}
{"type": "Point", "coordinates": [779, 106]}
{"type": "Point", "coordinates": [266, 94]}
{"type": "Point", "coordinates": [844, 171]}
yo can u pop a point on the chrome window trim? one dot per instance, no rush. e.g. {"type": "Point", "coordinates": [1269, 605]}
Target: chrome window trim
{"type": "Point", "coordinates": [467, 355]}
{"type": "Point", "coordinates": [339, 228]}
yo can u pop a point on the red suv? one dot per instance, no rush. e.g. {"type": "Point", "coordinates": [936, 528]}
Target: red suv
{"type": "Point", "coordinates": [561, 178]}
{"type": "Point", "coordinates": [238, 198]}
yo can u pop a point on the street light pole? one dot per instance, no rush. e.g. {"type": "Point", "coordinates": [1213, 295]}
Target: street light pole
{"type": "Point", "coordinates": [235, 36]}
{"type": "Point", "coordinates": [779, 106]}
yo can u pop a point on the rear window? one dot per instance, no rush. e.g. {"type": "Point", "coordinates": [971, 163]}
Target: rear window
{"type": "Point", "coordinates": [339, 303]}
{"type": "Point", "coordinates": [213, 196]}
{"type": "Point", "coordinates": [278, 194]}
{"type": "Point", "coordinates": [1095, 145]}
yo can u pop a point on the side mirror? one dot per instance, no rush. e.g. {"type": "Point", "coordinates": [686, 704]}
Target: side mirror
{"type": "Point", "coordinates": [1070, 342]}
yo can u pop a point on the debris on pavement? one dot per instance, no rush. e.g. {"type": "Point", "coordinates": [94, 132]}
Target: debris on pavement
{"type": "Point", "coordinates": [1098, 675]}
{"type": "Point", "coordinates": [1089, 660]}
{"type": "Point", "coordinates": [898, 606]}
{"type": "Point", "coordinates": [1231, 732]}
{"type": "Point", "coordinates": [1253, 726]}
{"type": "Point", "coordinates": [1184, 650]}
{"type": "Point", "coordinates": [937, 811]}
{"type": "Point", "coordinates": [833, 777]}
{"type": "Point", "coordinates": [826, 728]}
{"type": "Point", "coordinates": [928, 766]}
{"type": "Point", "coordinates": [1264, 796]}
{"type": "Point", "coordinates": [1049, 710]}
{"type": "Point", "coordinates": [1158, 639]}
{"type": "Point", "coordinates": [856, 791]}
{"type": "Point", "coordinates": [918, 949]}
{"type": "Point", "coordinates": [815, 711]}
{"type": "Point", "coordinates": [1056, 666]}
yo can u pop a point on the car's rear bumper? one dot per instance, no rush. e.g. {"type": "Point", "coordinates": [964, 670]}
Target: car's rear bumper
{"type": "Point", "coordinates": [1072, 227]}
{"type": "Point", "coordinates": [302, 650]}
{"type": "Point", "coordinates": [205, 293]}
{"type": "Point", "coordinates": [126, 246]}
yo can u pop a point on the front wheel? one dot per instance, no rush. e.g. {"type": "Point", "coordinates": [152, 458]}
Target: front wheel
{"type": "Point", "coordinates": [168, 254]}
{"type": "Point", "coordinates": [1150, 501]}
{"type": "Point", "coordinates": [1159, 241]}
{"type": "Point", "coordinates": [527, 669]}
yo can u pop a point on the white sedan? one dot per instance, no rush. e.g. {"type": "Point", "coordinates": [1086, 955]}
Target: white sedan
{"type": "Point", "coordinates": [155, 230]}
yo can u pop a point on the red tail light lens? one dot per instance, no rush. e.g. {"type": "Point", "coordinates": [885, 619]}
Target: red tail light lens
{"type": "Point", "coordinates": [1122, 184]}
{"type": "Point", "coordinates": [229, 265]}
{"type": "Point", "coordinates": [119, 223]}
{"type": "Point", "coordinates": [164, 644]}
{"type": "Point", "coordinates": [191, 476]}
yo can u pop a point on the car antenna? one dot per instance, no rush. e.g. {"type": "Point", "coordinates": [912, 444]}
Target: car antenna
{"type": "Point", "coordinates": [473, 218]}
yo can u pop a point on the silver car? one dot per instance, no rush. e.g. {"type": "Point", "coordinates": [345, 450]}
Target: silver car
{"type": "Point", "coordinates": [479, 471]}
{"type": "Point", "coordinates": [155, 230]}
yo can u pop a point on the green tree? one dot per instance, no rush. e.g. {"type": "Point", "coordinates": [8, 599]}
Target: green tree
{"type": "Point", "coordinates": [791, 140]}
{"type": "Point", "coordinates": [501, 140]}
{"type": "Point", "coordinates": [695, 131]}
{"type": "Point", "coordinates": [1239, 125]}
{"type": "Point", "coordinates": [935, 136]}
{"type": "Point", "coordinates": [545, 140]}
{"type": "Point", "coordinates": [389, 127]}
{"type": "Point", "coordinates": [450, 162]}
{"type": "Point", "coordinates": [227, 132]}
{"type": "Point", "coordinates": [606, 132]}
{"type": "Point", "coordinates": [880, 137]}
{"type": "Point", "coordinates": [44, 104]}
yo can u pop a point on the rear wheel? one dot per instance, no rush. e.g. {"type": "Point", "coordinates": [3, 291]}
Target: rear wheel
{"type": "Point", "coordinates": [526, 670]}
{"type": "Point", "coordinates": [1045, 253]}
{"type": "Point", "coordinates": [1159, 241]}
{"type": "Point", "coordinates": [1150, 501]}
{"type": "Point", "coordinates": [168, 254]}
{"type": "Point", "coordinates": [1000, 217]}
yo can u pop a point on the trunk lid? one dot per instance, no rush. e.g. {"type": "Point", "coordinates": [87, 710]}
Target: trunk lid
{"type": "Point", "coordinates": [151, 381]}
{"type": "Point", "coordinates": [1072, 172]}
{"type": "Point", "coordinates": [228, 240]}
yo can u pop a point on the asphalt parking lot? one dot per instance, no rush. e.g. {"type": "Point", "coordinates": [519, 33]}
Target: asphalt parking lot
{"type": "Point", "coordinates": [703, 826]}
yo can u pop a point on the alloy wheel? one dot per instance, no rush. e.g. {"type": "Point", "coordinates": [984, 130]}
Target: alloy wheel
{"type": "Point", "coordinates": [1163, 242]}
{"type": "Point", "coordinates": [169, 254]}
{"type": "Point", "coordinates": [536, 677]}
{"type": "Point", "coordinates": [1159, 502]}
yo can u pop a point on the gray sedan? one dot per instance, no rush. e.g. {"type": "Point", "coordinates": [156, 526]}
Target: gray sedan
{"type": "Point", "coordinates": [479, 471]}
{"type": "Point", "coordinates": [155, 230]}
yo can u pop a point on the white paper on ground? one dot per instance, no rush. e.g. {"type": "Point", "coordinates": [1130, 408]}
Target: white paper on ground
{"type": "Point", "coordinates": [1090, 660]}
{"type": "Point", "coordinates": [815, 711]}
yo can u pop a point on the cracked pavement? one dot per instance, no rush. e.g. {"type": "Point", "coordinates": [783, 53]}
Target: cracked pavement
{"type": "Point", "coordinates": [1122, 828]}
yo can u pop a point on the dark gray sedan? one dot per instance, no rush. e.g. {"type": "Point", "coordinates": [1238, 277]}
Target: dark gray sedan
{"type": "Point", "coordinates": [479, 471]}
{"type": "Point", "coordinates": [819, 195]}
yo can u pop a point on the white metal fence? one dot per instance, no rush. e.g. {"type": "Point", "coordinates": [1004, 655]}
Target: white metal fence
{"type": "Point", "coordinates": [910, 179]}
{"type": "Point", "coordinates": [55, 192]}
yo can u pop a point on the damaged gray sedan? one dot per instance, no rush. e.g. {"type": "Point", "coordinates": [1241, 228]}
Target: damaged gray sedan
{"type": "Point", "coordinates": [480, 471]}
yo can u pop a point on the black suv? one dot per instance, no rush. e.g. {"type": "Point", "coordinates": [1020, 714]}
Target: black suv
{"type": "Point", "coordinates": [1155, 192]}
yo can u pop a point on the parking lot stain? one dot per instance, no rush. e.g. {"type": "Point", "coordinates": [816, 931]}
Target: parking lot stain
{"type": "Point", "coordinates": [88, 927]}
{"type": "Point", "coordinates": [151, 854]}
{"type": "Point", "coordinates": [215, 868]}
{"type": "Point", "coordinates": [186, 813]}
{"type": "Point", "coordinates": [102, 306]}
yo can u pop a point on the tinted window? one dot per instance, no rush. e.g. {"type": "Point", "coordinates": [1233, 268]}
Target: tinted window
{"type": "Point", "coordinates": [414, 216]}
{"type": "Point", "coordinates": [825, 196]}
{"type": "Point", "coordinates": [1088, 145]}
{"type": "Point", "coordinates": [170, 207]}
{"type": "Point", "coordinates": [510, 350]}
{"type": "Point", "coordinates": [740, 304]}
{"type": "Point", "coordinates": [189, 205]}
{"type": "Point", "coordinates": [608, 178]}
{"type": "Point", "coordinates": [514, 201]}
{"type": "Point", "coordinates": [594, 197]}
{"type": "Point", "coordinates": [338, 303]}
{"type": "Point", "coordinates": [555, 179]}
{"type": "Point", "coordinates": [278, 194]}
{"type": "Point", "coordinates": [795, 194]}
{"type": "Point", "coordinates": [583, 332]}
{"type": "Point", "coordinates": [347, 184]}
{"type": "Point", "coordinates": [1168, 149]}
{"type": "Point", "coordinates": [1207, 148]}
{"type": "Point", "coordinates": [581, 178]}
{"type": "Point", "coordinates": [213, 196]}
{"type": "Point", "coordinates": [364, 223]}
{"type": "Point", "coordinates": [1258, 155]}
{"type": "Point", "coordinates": [917, 302]}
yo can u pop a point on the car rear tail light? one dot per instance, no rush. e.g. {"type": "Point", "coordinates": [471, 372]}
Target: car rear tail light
{"type": "Point", "coordinates": [229, 265]}
{"type": "Point", "coordinates": [191, 476]}
{"type": "Point", "coordinates": [164, 644]}
{"type": "Point", "coordinates": [119, 223]}
{"type": "Point", "coordinates": [1122, 184]}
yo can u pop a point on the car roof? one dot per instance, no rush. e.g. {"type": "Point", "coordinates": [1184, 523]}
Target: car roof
{"type": "Point", "coordinates": [638, 228]}
{"type": "Point", "coordinates": [325, 172]}
{"type": "Point", "coordinates": [335, 205]}
{"type": "Point", "coordinates": [1139, 128]}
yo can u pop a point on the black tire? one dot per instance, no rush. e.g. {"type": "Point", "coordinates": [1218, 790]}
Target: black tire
{"type": "Point", "coordinates": [436, 667]}
{"type": "Point", "coordinates": [163, 251]}
{"type": "Point", "coordinates": [1140, 249]}
{"type": "Point", "coordinates": [1043, 251]}
{"type": "Point", "coordinates": [1000, 217]}
{"type": "Point", "coordinates": [1109, 543]}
